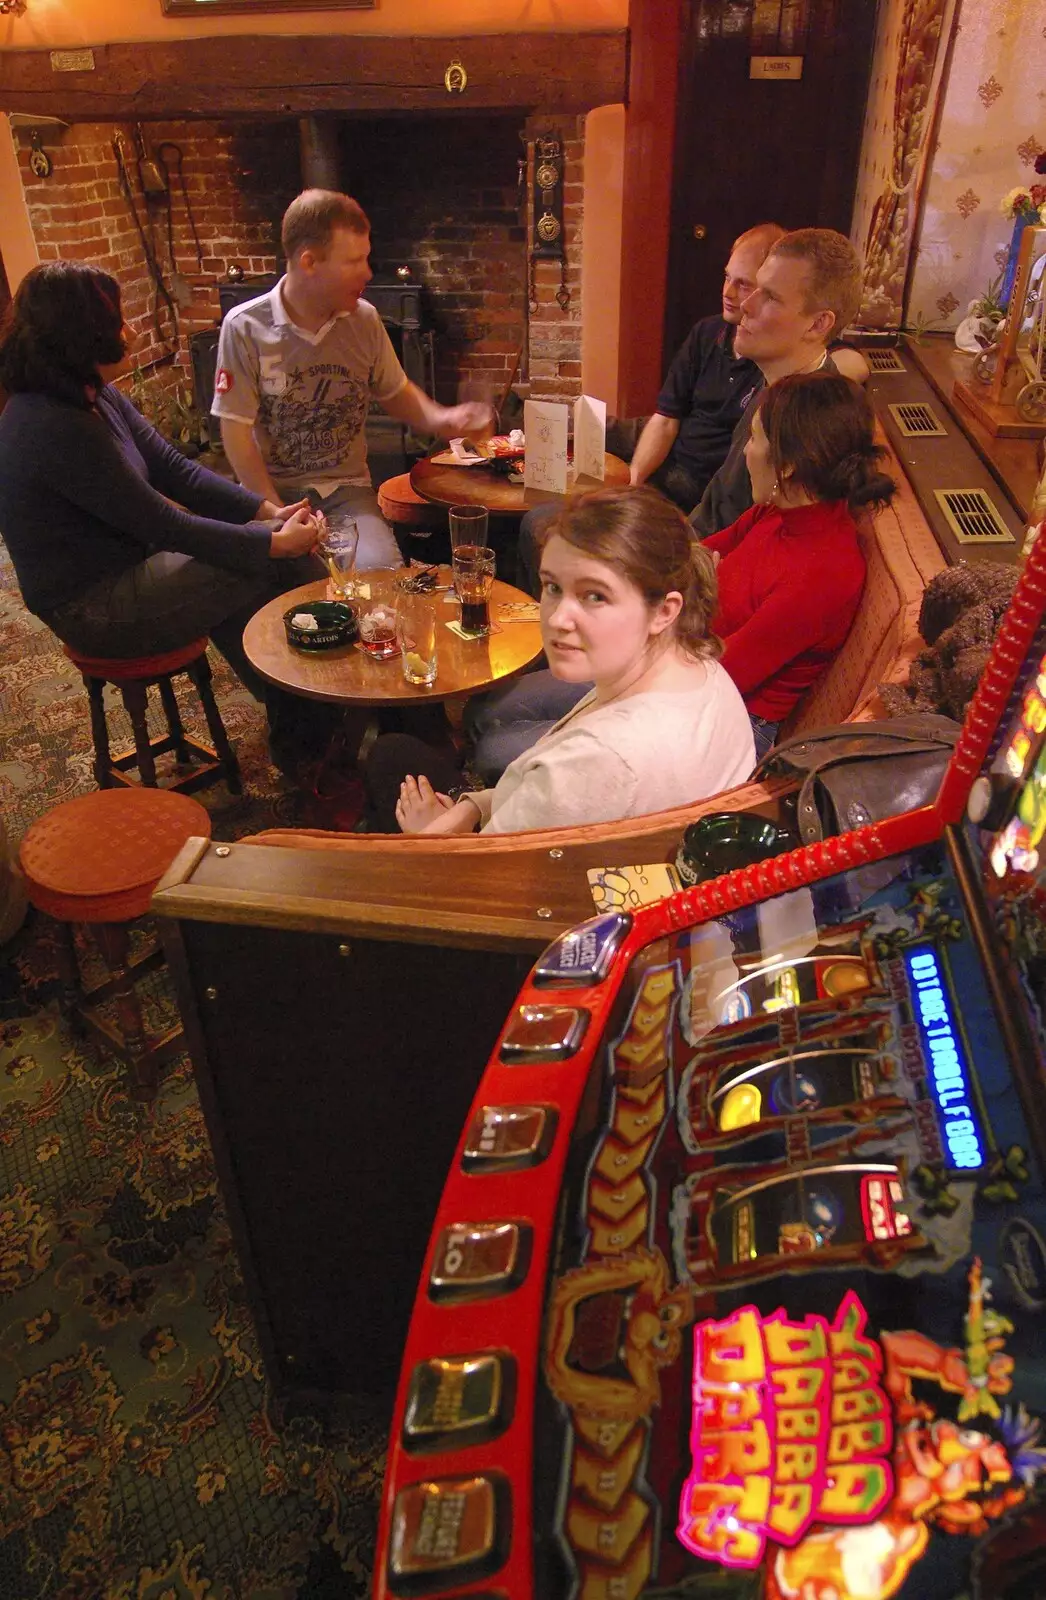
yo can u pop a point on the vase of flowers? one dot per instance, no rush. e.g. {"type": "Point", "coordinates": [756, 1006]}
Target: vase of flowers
{"type": "Point", "coordinates": [1026, 207]}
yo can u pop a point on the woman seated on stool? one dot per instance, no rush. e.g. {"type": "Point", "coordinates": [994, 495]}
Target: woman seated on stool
{"type": "Point", "coordinates": [122, 546]}
{"type": "Point", "coordinates": [626, 597]}
{"type": "Point", "coordinates": [791, 569]}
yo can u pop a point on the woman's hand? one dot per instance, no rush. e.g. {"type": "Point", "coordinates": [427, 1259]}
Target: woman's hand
{"type": "Point", "coordinates": [298, 535]}
{"type": "Point", "coordinates": [422, 809]}
{"type": "Point", "coordinates": [270, 511]}
{"type": "Point", "coordinates": [419, 804]}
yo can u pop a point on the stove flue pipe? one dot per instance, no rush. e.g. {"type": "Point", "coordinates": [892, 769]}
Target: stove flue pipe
{"type": "Point", "coordinates": [320, 153]}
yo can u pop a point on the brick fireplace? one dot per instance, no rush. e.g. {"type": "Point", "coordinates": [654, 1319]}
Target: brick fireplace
{"type": "Point", "coordinates": [443, 193]}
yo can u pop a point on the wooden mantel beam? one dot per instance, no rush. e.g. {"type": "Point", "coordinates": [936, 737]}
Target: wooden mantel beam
{"type": "Point", "coordinates": [269, 76]}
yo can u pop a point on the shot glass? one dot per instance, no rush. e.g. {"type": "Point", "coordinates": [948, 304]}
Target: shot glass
{"type": "Point", "coordinates": [377, 612]}
{"type": "Point", "coordinates": [416, 637]}
{"type": "Point", "coordinates": [473, 579]}
{"type": "Point", "coordinates": [468, 526]}
{"type": "Point", "coordinates": [338, 548]}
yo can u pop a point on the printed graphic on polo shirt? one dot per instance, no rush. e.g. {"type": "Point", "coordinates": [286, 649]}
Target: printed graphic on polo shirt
{"type": "Point", "coordinates": [315, 419]}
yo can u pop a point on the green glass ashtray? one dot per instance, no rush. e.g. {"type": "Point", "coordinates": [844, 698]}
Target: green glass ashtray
{"type": "Point", "coordinates": [725, 841]}
{"type": "Point", "coordinates": [333, 623]}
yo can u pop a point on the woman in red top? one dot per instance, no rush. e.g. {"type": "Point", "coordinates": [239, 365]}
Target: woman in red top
{"type": "Point", "coordinates": [791, 569]}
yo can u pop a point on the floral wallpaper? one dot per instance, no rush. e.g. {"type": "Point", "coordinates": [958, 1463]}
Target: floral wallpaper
{"type": "Point", "coordinates": [908, 78]}
{"type": "Point", "coordinates": [941, 229]}
{"type": "Point", "coordinates": [993, 125]}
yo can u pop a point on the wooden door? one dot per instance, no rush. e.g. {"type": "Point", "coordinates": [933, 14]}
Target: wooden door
{"type": "Point", "coordinates": [751, 150]}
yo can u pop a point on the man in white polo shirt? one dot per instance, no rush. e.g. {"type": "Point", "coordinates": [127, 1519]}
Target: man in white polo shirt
{"type": "Point", "coordinates": [298, 368]}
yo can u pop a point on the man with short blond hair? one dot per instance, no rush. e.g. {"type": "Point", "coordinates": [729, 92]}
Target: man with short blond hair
{"type": "Point", "coordinates": [806, 292]}
{"type": "Point", "coordinates": [298, 368]}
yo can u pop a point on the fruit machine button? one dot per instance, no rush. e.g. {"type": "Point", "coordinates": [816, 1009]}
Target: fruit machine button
{"type": "Point", "coordinates": [447, 1527]}
{"type": "Point", "coordinates": [505, 1138]}
{"type": "Point", "coordinates": [458, 1400]}
{"type": "Point", "coordinates": [543, 1033]}
{"type": "Point", "coordinates": [584, 955]}
{"type": "Point", "coordinates": [476, 1259]}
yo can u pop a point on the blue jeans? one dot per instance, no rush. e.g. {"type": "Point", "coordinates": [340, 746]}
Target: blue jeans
{"type": "Point", "coordinates": [764, 734]}
{"type": "Point", "coordinates": [505, 722]}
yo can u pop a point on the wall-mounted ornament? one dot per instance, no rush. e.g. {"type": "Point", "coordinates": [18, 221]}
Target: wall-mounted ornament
{"type": "Point", "coordinates": [40, 162]}
{"type": "Point", "coordinates": [548, 213]}
{"type": "Point", "coordinates": [455, 78]}
{"type": "Point", "coordinates": [31, 129]}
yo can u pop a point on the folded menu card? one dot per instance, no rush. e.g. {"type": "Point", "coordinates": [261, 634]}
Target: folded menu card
{"type": "Point", "coordinates": [590, 437]}
{"type": "Point", "coordinates": [545, 464]}
{"type": "Point", "coordinates": [545, 424]}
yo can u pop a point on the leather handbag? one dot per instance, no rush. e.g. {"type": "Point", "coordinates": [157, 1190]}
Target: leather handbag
{"type": "Point", "coordinates": [859, 772]}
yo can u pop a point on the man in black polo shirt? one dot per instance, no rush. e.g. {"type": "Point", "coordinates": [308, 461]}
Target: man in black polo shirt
{"type": "Point", "coordinates": [705, 392]}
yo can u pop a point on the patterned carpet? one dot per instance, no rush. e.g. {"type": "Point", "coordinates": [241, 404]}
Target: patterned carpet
{"type": "Point", "coordinates": [139, 1457]}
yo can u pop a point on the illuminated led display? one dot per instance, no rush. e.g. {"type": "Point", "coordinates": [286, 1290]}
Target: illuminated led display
{"type": "Point", "coordinates": [790, 1426]}
{"type": "Point", "coordinates": [882, 1207]}
{"type": "Point", "coordinates": [948, 1074]}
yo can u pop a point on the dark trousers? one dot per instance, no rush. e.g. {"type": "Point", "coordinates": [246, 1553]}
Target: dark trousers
{"type": "Point", "coordinates": [170, 600]}
{"type": "Point", "coordinates": [670, 477]}
{"type": "Point", "coordinates": [393, 757]}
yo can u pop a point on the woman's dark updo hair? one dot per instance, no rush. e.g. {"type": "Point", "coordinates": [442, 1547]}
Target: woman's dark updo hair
{"type": "Point", "coordinates": [822, 426]}
{"type": "Point", "coordinates": [64, 322]}
{"type": "Point", "coordinates": [645, 538]}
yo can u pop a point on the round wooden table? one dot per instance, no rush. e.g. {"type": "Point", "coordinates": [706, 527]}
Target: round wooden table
{"type": "Point", "coordinates": [480, 486]}
{"type": "Point", "coordinates": [348, 676]}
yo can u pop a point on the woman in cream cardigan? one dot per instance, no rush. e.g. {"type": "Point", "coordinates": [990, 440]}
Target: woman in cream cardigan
{"type": "Point", "coordinates": [627, 595]}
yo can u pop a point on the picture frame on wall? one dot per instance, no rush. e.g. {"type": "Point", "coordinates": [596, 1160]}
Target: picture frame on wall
{"type": "Point", "coordinates": [205, 8]}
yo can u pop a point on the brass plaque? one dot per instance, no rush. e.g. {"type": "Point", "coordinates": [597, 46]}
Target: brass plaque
{"type": "Point", "coordinates": [72, 60]}
{"type": "Point", "coordinates": [779, 67]}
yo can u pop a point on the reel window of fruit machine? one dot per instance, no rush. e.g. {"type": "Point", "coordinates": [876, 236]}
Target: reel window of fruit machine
{"type": "Point", "coordinates": [797, 1084]}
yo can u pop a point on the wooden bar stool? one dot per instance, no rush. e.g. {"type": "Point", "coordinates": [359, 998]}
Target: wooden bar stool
{"type": "Point", "coordinates": [96, 860]}
{"type": "Point", "coordinates": [404, 508]}
{"type": "Point", "coordinates": [134, 677]}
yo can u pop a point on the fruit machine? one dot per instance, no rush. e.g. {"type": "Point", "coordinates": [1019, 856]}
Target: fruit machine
{"type": "Point", "coordinates": [737, 1286]}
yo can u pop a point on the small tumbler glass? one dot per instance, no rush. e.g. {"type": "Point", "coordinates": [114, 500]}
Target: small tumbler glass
{"type": "Point", "coordinates": [377, 612]}
{"type": "Point", "coordinates": [416, 636]}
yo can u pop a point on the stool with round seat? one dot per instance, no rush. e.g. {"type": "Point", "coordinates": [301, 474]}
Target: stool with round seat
{"type": "Point", "coordinates": [96, 860]}
{"type": "Point", "coordinates": [134, 677]}
{"type": "Point", "coordinates": [404, 508]}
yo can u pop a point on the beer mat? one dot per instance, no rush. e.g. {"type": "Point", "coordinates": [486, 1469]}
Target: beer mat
{"type": "Point", "coordinates": [628, 888]}
{"type": "Point", "coordinates": [519, 611]}
{"type": "Point", "coordinates": [470, 638]}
